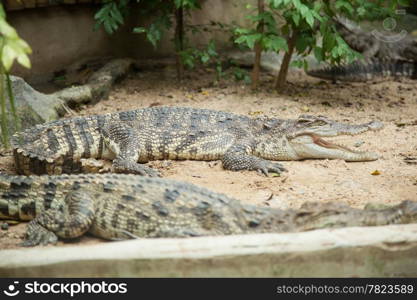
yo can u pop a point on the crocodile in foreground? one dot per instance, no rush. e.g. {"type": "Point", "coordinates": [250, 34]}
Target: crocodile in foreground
{"type": "Point", "coordinates": [385, 55]}
{"type": "Point", "coordinates": [142, 135]}
{"type": "Point", "coordinates": [124, 206]}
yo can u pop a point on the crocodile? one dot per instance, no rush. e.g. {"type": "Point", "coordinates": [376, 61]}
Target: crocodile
{"type": "Point", "coordinates": [385, 55]}
{"type": "Point", "coordinates": [132, 138]}
{"type": "Point", "coordinates": [127, 206]}
{"type": "Point", "coordinates": [382, 45]}
{"type": "Point", "coordinates": [370, 69]}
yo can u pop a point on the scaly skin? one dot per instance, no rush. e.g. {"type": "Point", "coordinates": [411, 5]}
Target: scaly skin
{"type": "Point", "coordinates": [367, 70]}
{"type": "Point", "coordinates": [119, 206]}
{"type": "Point", "coordinates": [382, 46]}
{"type": "Point", "coordinates": [178, 133]}
{"type": "Point", "coordinates": [384, 56]}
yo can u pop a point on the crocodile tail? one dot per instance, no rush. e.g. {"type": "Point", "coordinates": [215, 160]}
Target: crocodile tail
{"type": "Point", "coordinates": [57, 147]}
{"type": "Point", "coordinates": [371, 69]}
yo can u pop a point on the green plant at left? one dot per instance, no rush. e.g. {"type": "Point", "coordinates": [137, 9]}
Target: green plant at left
{"type": "Point", "coordinates": [12, 48]}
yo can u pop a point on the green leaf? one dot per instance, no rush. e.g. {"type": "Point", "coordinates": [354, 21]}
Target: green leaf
{"type": "Point", "coordinates": [328, 41]}
{"type": "Point", "coordinates": [154, 34]}
{"type": "Point", "coordinates": [139, 30]}
{"type": "Point", "coordinates": [275, 43]}
{"type": "Point", "coordinates": [344, 6]}
{"type": "Point", "coordinates": [7, 57]}
{"type": "Point", "coordinates": [361, 11]}
{"type": "Point", "coordinates": [178, 3]}
{"type": "Point", "coordinates": [302, 43]}
{"type": "Point", "coordinates": [7, 30]}
{"type": "Point", "coordinates": [309, 18]}
{"type": "Point", "coordinates": [101, 13]}
{"type": "Point", "coordinates": [205, 58]}
{"type": "Point", "coordinates": [296, 19]}
{"type": "Point", "coordinates": [317, 16]}
{"type": "Point", "coordinates": [116, 15]}
{"type": "Point", "coordinates": [318, 54]}
{"type": "Point", "coordinates": [252, 39]}
{"type": "Point", "coordinates": [303, 10]}
{"type": "Point", "coordinates": [242, 31]}
{"type": "Point", "coordinates": [24, 60]}
{"type": "Point", "coordinates": [297, 63]}
{"type": "Point", "coordinates": [317, 6]}
{"type": "Point", "coordinates": [249, 39]}
{"type": "Point", "coordinates": [187, 59]}
{"type": "Point", "coordinates": [110, 16]}
{"type": "Point", "coordinates": [297, 4]}
{"type": "Point", "coordinates": [15, 49]}
{"type": "Point", "coordinates": [107, 27]}
{"type": "Point", "coordinates": [211, 48]}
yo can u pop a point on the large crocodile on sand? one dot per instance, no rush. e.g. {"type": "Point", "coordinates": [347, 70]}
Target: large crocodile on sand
{"type": "Point", "coordinates": [178, 133]}
{"type": "Point", "coordinates": [125, 206]}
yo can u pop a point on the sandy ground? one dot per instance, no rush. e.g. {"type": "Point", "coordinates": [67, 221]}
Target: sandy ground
{"type": "Point", "coordinates": [392, 102]}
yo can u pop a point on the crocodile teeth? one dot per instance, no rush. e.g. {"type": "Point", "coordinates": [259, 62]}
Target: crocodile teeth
{"type": "Point", "coordinates": [330, 144]}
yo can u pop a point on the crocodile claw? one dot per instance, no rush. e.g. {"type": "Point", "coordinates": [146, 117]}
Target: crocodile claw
{"type": "Point", "coordinates": [38, 236]}
{"type": "Point", "coordinates": [128, 167]}
{"type": "Point", "coordinates": [265, 167]}
{"type": "Point", "coordinates": [146, 171]}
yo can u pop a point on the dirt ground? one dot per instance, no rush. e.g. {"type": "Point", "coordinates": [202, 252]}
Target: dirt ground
{"type": "Point", "coordinates": [392, 102]}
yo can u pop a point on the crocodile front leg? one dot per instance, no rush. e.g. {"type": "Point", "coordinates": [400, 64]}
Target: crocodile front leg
{"type": "Point", "coordinates": [70, 223]}
{"type": "Point", "coordinates": [239, 157]}
{"type": "Point", "coordinates": [124, 141]}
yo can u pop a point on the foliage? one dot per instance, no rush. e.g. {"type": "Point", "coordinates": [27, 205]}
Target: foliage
{"type": "Point", "coordinates": [240, 74]}
{"type": "Point", "coordinates": [163, 21]}
{"type": "Point", "coordinates": [191, 56]}
{"type": "Point", "coordinates": [300, 26]}
{"type": "Point", "coordinates": [111, 15]}
{"type": "Point", "coordinates": [308, 25]}
{"type": "Point", "coordinates": [169, 12]}
{"type": "Point", "coordinates": [165, 14]}
{"type": "Point", "coordinates": [155, 31]}
{"type": "Point", "coordinates": [12, 48]}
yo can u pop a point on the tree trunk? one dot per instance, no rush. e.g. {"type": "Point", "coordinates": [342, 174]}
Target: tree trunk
{"type": "Point", "coordinates": [258, 49]}
{"type": "Point", "coordinates": [282, 75]}
{"type": "Point", "coordinates": [179, 41]}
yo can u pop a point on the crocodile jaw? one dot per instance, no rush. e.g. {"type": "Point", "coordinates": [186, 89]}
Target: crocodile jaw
{"type": "Point", "coordinates": [312, 146]}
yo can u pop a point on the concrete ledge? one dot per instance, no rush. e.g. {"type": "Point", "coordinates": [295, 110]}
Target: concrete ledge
{"type": "Point", "coordinates": [358, 251]}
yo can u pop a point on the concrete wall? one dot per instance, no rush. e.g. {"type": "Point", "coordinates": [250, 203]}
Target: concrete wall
{"type": "Point", "coordinates": [62, 35]}
{"type": "Point", "coordinates": [384, 251]}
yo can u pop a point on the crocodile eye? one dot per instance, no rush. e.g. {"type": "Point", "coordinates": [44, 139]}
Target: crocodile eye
{"type": "Point", "coordinates": [303, 121]}
{"type": "Point", "coordinates": [319, 123]}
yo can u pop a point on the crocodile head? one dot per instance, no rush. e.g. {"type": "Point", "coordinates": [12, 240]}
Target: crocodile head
{"type": "Point", "coordinates": [409, 211]}
{"type": "Point", "coordinates": [303, 138]}
{"type": "Point", "coordinates": [306, 138]}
